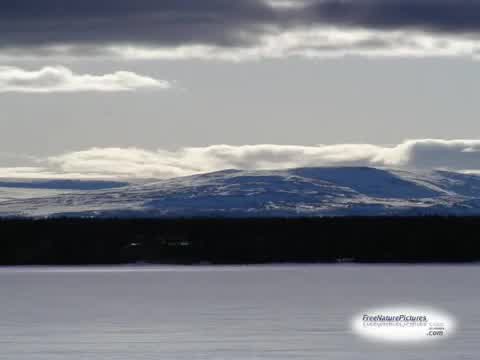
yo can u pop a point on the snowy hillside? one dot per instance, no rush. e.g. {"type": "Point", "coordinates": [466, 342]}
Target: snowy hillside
{"type": "Point", "coordinates": [326, 191]}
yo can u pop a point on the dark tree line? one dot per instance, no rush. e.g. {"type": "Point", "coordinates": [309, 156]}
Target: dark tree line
{"type": "Point", "coordinates": [236, 241]}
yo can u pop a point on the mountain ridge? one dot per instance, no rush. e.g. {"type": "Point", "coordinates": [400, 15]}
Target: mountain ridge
{"type": "Point", "coordinates": [308, 191]}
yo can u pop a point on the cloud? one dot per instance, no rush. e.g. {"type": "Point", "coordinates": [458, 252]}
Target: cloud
{"type": "Point", "coordinates": [62, 79]}
{"type": "Point", "coordinates": [424, 154]}
{"type": "Point", "coordinates": [446, 154]}
{"type": "Point", "coordinates": [239, 30]}
{"type": "Point", "coordinates": [313, 43]}
{"type": "Point", "coordinates": [444, 16]}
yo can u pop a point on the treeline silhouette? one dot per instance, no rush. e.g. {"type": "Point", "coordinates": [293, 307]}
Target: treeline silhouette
{"type": "Point", "coordinates": [239, 241]}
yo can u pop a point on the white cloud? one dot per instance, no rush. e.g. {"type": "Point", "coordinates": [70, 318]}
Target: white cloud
{"type": "Point", "coordinates": [309, 42]}
{"type": "Point", "coordinates": [425, 154]}
{"type": "Point", "coordinates": [317, 43]}
{"type": "Point", "coordinates": [52, 79]}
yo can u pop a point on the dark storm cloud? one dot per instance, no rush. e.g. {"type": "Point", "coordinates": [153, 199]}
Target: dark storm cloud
{"type": "Point", "coordinates": [454, 16]}
{"type": "Point", "coordinates": [164, 22]}
{"type": "Point", "coordinates": [33, 23]}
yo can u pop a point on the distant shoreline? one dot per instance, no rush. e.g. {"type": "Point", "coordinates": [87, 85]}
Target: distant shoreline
{"type": "Point", "coordinates": [220, 267]}
{"type": "Point", "coordinates": [214, 241]}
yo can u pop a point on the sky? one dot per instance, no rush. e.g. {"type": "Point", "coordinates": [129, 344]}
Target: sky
{"type": "Point", "coordinates": [169, 88]}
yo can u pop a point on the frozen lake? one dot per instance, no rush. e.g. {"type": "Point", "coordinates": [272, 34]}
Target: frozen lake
{"type": "Point", "coordinates": [254, 312]}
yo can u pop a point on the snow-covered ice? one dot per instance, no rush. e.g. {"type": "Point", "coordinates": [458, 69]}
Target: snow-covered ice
{"type": "Point", "coordinates": [234, 313]}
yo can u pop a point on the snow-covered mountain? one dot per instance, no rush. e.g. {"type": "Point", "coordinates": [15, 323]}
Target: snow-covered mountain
{"type": "Point", "coordinates": [323, 191]}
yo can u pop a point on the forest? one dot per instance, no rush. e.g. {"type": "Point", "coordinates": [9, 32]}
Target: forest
{"type": "Point", "coordinates": [68, 241]}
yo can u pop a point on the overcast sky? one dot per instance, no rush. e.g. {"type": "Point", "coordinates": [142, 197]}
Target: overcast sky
{"type": "Point", "coordinates": [124, 87]}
